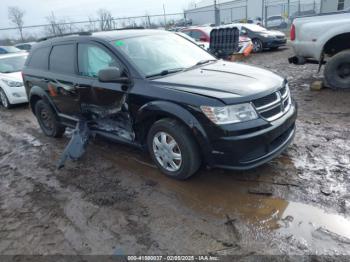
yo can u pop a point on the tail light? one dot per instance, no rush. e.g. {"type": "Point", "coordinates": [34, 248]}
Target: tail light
{"type": "Point", "coordinates": [292, 33]}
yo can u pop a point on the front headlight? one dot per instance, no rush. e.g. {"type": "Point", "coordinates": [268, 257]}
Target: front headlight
{"type": "Point", "coordinates": [11, 83]}
{"type": "Point", "coordinates": [230, 114]}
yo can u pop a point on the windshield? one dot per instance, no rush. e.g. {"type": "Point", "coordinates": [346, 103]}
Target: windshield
{"type": "Point", "coordinates": [255, 28]}
{"type": "Point", "coordinates": [12, 64]}
{"type": "Point", "coordinates": [159, 53]}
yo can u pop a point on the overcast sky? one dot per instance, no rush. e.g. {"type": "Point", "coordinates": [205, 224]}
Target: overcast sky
{"type": "Point", "coordinates": [75, 10]}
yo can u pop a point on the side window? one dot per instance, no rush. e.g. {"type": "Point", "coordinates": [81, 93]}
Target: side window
{"type": "Point", "coordinates": [62, 59]}
{"type": "Point", "coordinates": [2, 51]}
{"type": "Point", "coordinates": [40, 58]}
{"type": "Point", "coordinates": [91, 59]}
{"type": "Point", "coordinates": [196, 35]}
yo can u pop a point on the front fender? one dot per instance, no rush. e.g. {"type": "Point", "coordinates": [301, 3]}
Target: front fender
{"type": "Point", "coordinates": [168, 109]}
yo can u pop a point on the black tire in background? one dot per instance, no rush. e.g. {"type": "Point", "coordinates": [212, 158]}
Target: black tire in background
{"type": "Point", "coordinates": [48, 119]}
{"type": "Point", "coordinates": [4, 100]}
{"type": "Point", "coordinates": [337, 70]}
{"type": "Point", "coordinates": [257, 45]}
{"type": "Point", "coordinates": [191, 159]}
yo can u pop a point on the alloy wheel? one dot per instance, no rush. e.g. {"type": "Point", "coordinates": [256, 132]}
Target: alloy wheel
{"type": "Point", "coordinates": [167, 151]}
{"type": "Point", "coordinates": [257, 46]}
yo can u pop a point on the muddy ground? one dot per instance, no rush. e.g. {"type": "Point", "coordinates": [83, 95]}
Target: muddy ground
{"type": "Point", "coordinates": [114, 201]}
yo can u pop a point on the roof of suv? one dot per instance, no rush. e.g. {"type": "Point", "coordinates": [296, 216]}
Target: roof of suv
{"type": "Point", "coordinates": [106, 35]}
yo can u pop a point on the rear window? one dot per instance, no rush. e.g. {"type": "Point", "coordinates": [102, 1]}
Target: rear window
{"type": "Point", "coordinates": [62, 59]}
{"type": "Point", "coordinates": [39, 58]}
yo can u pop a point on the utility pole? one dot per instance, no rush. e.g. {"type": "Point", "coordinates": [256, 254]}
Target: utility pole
{"type": "Point", "coordinates": [299, 7]}
{"type": "Point", "coordinates": [262, 11]}
{"type": "Point", "coordinates": [164, 15]}
{"type": "Point", "coordinates": [288, 8]}
{"type": "Point", "coordinates": [216, 14]}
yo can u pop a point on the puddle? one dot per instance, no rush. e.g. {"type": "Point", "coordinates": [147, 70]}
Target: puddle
{"type": "Point", "coordinates": [220, 194]}
{"type": "Point", "coordinates": [307, 218]}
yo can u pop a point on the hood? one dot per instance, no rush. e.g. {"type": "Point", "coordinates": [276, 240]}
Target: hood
{"type": "Point", "coordinates": [227, 81]}
{"type": "Point", "coordinates": [275, 33]}
{"type": "Point", "coordinates": [15, 76]}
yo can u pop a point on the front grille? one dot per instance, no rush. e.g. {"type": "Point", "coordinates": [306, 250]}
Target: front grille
{"type": "Point", "coordinates": [265, 100]}
{"type": "Point", "coordinates": [275, 105]}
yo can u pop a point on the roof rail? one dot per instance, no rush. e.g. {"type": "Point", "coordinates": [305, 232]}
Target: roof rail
{"type": "Point", "coordinates": [61, 35]}
{"type": "Point", "coordinates": [130, 28]}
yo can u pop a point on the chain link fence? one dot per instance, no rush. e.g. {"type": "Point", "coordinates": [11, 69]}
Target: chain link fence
{"type": "Point", "coordinates": [55, 27]}
{"type": "Point", "coordinates": [270, 13]}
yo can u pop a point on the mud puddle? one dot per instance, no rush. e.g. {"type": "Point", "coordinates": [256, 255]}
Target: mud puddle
{"type": "Point", "coordinates": [242, 196]}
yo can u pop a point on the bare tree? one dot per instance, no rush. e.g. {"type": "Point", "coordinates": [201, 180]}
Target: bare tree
{"type": "Point", "coordinates": [56, 27]}
{"type": "Point", "coordinates": [106, 20]}
{"type": "Point", "coordinates": [15, 15]}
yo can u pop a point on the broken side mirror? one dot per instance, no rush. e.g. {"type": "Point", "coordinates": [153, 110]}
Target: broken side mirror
{"type": "Point", "coordinates": [112, 75]}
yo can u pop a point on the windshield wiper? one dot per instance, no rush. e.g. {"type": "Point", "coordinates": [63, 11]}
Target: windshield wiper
{"type": "Point", "coordinates": [166, 72]}
{"type": "Point", "coordinates": [202, 62]}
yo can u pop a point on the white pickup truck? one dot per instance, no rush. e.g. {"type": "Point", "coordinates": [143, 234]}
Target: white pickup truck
{"type": "Point", "coordinates": [324, 39]}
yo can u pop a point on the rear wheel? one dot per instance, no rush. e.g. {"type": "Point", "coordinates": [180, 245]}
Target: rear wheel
{"type": "Point", "coordinates": [173, 149]}
{"type": "Point", "coordinates": [257, 45]}
{"type": "Point", "coordinates": [47, 119]}
{"type": "Point", "coordinates": [3, 98]}
{"type": "Point", "coordinates": [337, 70]}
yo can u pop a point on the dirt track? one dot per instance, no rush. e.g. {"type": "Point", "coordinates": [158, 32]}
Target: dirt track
{"type": "Point", "coordinates": [114, 201]}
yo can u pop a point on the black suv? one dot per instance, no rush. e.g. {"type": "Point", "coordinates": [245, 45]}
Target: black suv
{"type": "Point", "coordinates": [161, 92]}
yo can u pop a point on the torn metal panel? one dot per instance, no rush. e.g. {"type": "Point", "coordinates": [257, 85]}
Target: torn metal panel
{"type": "Point", "coordinates": [76, 146]}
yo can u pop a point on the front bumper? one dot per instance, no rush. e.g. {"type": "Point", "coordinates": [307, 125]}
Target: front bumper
{"type": "Point", "coordinates": [16, 95]}
{"type": "Point", "coordinates": [275, 43]}
{"type": "Point", "coordinates": [250, 150]}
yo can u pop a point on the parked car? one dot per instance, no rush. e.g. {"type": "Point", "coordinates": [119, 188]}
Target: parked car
{"type": "Point", "coordinates": [204, 45]}
{"type": "Point", "coordinates": [12, 90]}
{"type": "Point", "coordinates": [324, 39]}
{"type": "Point", "coordinates": [9, 50]}
{"type": "Point", "coordinates": [276, 21]}
{"type": "Point", "coordinates": [256, 20]}
{"type": "Point", "coordinates": [262, 38]}
{"type": "Point", "coordinates": [25, 46]}
{"type": "Point", "coordinates": [200, 34]}
{"type": "Point", "coordinates": [156, 90]}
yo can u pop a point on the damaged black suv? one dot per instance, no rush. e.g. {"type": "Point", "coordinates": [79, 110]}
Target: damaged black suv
{"type": "Point", "coordinates": [161, 92]}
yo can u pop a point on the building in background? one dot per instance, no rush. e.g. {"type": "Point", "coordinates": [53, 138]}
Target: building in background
{"type": "Point", "coordinates": [237, 10]}
{"type": "Point", "coordinates": [334, 5]}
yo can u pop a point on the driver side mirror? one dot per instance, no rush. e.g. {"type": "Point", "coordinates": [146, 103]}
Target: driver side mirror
{"type": "Point", "coordinates": [112, 75]}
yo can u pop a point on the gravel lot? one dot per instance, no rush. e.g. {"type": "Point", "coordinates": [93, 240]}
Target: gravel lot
{"type": "Point", "coordinates": [114, 201]}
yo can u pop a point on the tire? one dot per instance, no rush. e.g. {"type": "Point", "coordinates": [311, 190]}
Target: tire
{"type": "Point", "coordinates": [185, 146]}
{"type": "Point", "coordinates": [337, 70]}
{"type": "Point", "coordinates": [4, 100]}
{"type": "Point", "coordinates": [257, 45]}
{"type": "Point", "coordinates": [48, 119]}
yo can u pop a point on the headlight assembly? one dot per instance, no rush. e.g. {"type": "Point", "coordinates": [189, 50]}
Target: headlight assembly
{"type": "Point", "coordinates": [230, 114]}
{"type": "Point", "coordinates": [11, 83]}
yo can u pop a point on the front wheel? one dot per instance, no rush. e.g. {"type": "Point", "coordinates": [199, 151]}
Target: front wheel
{"type": "Point", "coordinates": [257, 45]}
{"type": "Point", "coordinates": [173, 149]}
{"type": "Point", "coordinates": [337, 70]}
{"type": "Point", "coordinates": [4, 100]}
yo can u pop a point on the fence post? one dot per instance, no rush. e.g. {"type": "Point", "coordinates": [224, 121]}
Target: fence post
{"type": "Point", "coordinates": [265, 20]}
